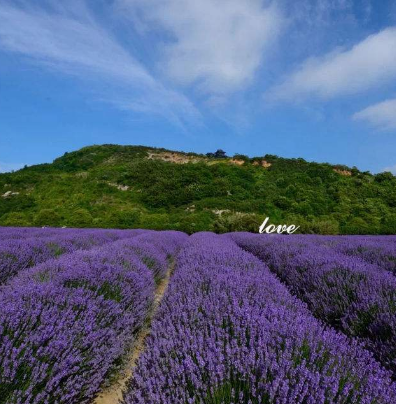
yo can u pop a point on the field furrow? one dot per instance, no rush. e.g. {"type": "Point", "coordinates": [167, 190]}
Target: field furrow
{"type": "Point", "coordinates": [113, 394]}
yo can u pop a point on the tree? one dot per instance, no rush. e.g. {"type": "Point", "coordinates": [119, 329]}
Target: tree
{"type": "Point", "coordinates": [241, 157]}
{"type": "Point", "coordinates": [388, 224]}
{"type": "Point", "coordinates": [325, 226]}
{"type": "Point", "coordinates": [357, 225]}
{"type": "Point", "coordinates": [17, 219]}
{"type": "Point", "coordinates": [194, 222]}
{"type": "Point", "coordinates": [237, 222]}
{"type": "Point", "coordinates": [220, 154]}
{"type": "Point", "coordinates": [126, 219]}
{"type": "Point", "coordinates": [385, 176]}
{"type": "Point", "coordinates": [47, 217]}
{"type": "Point", "coordinates": [81, 218]}
{"type": "Point", "coordinates": [155, 221]}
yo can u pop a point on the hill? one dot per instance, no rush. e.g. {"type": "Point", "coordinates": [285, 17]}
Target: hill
{"type": "Point", "coordinates": [136, 186]}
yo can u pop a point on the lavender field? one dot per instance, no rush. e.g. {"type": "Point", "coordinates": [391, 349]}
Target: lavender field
{"type": "Point", "coordinates": [208, 319]}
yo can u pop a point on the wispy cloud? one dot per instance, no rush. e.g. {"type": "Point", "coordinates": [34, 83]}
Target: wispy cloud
{"type": "Point", "coordinates": [215, 45]}
{"type": "Point", "coordinates": [391, 169]}
{"type": "Point", "coordinates": [369, 64]}
{"type": "Point", "coordinates": [73, 42]}
{"type": "Point", "coordinates": [382, 115]}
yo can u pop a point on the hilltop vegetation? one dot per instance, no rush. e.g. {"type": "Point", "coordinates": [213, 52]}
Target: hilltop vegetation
{"type": "Point", "coordinates": [133, 186]}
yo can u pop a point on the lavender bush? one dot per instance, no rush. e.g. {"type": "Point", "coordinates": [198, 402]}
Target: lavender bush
{"type": "Point", "coordinates": [56, 344]}
{"type": "Point", "coordinates": [38, 232]}
{"type": "Point", "coordinates": [66, 322]}
{"type": "Point", "coordinates": [380, 251]}
{"type": "Point", "coordinates": [229, 332]}
{"type": "Point", "coordinates": [346, 292]}
{"type": "Point", "coordinates": [20, 253]}
{"type": "Point", "coordinates": [155, 249]}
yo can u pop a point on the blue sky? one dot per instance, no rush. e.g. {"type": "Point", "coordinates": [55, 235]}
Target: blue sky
{"type": "Point", "coordinates": [308, 78]}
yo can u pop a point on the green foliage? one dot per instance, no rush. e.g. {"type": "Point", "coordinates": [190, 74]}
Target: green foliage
{"type": "Point", "coordinates": [388, 224]}
{"type": "Point", "coordinates": [81, 218]}
{"type": "Point", "coordinates": [155, 221]}
{"type": "Point", "coordinates": [241, 157]}
{"type": "Point", "coordinates": [15, 219]}
{"type": "Point", "coordinates": [237, 222]}
{"type": "Point", "coordinates": [194, 222]}
{"type": "Point", "coordinates": [47, 217]}
{"type": "Point", "coordinates": [357, 225]}
{"type": "Point", "coordinates": [324, 227]}
{"type": "Point", "coordinates": [121, 187]}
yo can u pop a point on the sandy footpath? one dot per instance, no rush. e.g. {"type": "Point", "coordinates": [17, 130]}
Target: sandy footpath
{"type": "Point", "coordinates": [113, 394]}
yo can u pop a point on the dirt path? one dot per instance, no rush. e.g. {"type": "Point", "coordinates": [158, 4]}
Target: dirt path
{"type": "Point", "coordinates": [113, 394]}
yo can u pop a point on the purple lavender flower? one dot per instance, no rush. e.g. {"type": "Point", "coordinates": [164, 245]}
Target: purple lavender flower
{"type": "Point", "coordinates": [65, 323]}
{"type": "Point", "coordinates": [27, 247]}
{"type": "Point", "coordinates": [345, 291]}
{"type": "Point", "coordinates": [229, 332]}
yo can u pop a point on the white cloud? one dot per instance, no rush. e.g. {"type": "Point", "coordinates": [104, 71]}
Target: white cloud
{"type": "Point", "coordinates": [69, 40]}
{"type": "Point", "coordinates": [391, 169]}
{"type": "Point", "coordinates": [217, 45]}
{"type": "Point", "coordinates": [381, 115]}
{"type": "Point", "coordinates": [369, 64]}
{"type": "Point", "coordinates": [7, 167]}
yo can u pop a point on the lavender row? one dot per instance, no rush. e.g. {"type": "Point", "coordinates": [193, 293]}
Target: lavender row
{"type": "Point", "coordinates": [380, 251]}
{"type": "Point", "coordinates": [347, 293]}
{"type": "Point", "coordinates": [18, 254]}
{"type": "Point", "coordinates": [65, 324]}
{"type": "Point", "coordinates": [228, 332]}
{"type": "Point", "coordinates": [18, 233]}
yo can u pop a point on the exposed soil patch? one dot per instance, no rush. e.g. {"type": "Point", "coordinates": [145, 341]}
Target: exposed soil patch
{"type": "Point", "coordinates": [345, 173]}
{"type": "Point", "coordinates": [262, 163]}
{"type": "Point", "coordinates": [178, 158]}
{"type": "Point", "coordinates": [237, 162]}
{"type": "Point", "coordinates": [113, 394]}
{"type": "Point", "coordinates": [175, 158]}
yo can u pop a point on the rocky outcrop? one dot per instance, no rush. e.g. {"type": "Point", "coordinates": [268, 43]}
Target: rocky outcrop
{"type": "Point", "coordinates": [8, 194]}
{"type": "Point", "coordinates": [120, 187]}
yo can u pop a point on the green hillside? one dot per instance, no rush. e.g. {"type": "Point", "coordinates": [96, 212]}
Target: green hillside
{"type": "Point", "coordinates": [135, 186]}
